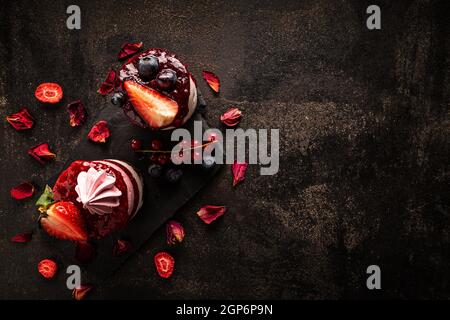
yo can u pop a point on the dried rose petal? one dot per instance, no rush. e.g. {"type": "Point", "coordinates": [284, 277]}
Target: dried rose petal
{"type": "Point", "coordinates": [22, 191]}
{"type": "Point", "coordinates": [41, 153]}
{"type": "Point", "coordinates": [22, 237]}
{"type": "Point", "coordinates": [210, 213]}
{"type": "Point", "coordinates": [85, 252]}
{"type": "Point", "coordinates": [121, 247]}
{"type": "Point", "coordinates": [231, 117]}
{"type": "Point", "coordinates": [81, 292]}
{"type": "Point", "coordinates": [174, 232]}
{"type": "Point", "coordinates": [21, 120]}
{"type": "Point", "coordinates": [212, 79]}
{"type": "Point", "coordinates": [77, 113]}
{"type": "Point", "coordinates": [129, 49]}
{"type": "Point", "coordinates": [239, 170]}
{"type": "Point", "coordinates": [99, 132]}
{"type": "Point", "coordinates": [109, 84]}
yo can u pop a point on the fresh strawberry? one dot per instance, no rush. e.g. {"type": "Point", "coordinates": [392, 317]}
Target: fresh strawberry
{"type": "Point", "coordinates": [164, 263]}
{"type": "Point", "coordinates": [47, 268]}
{"type": "Point", "coordinates": [64, 221]}
{"type": "Point", "coordinates": [155, 108]}
{"type": "Point", "coordinates": [49, 93]}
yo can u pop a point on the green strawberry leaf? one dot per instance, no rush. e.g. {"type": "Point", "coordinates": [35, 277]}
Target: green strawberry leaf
{"type": "Point", "coordinates": [46, 199]}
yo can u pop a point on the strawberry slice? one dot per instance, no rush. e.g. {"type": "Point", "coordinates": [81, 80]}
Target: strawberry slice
{"type": "Point", "coordinates": [155, 108]}
{"type": "Point", "coordinates": [49, 93]}
{"type": "Point", "coordinates": [47, 268]}
{"type": "Point", "coordinates": [64, 221]}
{"type": "Point", "coordinates": [164, 263]}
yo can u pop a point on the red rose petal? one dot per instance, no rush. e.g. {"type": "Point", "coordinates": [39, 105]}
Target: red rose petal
{"type": "Point", "coordinates": [109, 84]}
{"type": "Point", "coordinates": [22, 237]}
{"type": "Point", "coordinates": [121, 247]}
{"type": "Point", "coordinates": [99, 132]}
{"type": "Point", "coordinates": [239, 170]}
{"type": "Point", "coordinates": [129, 49]}
{"type": "Point", "coordinates": [21, 120]}
{"type": "Point", "coordinates": [212, 80]}
{"type": "Point", "coordinates": [210, 213]}
{"type": "Point", "coordinates": [81, 292]}
{"type": "Point", "coordinates": [174, 232]}
{"type": "Point", "coordinates": [22, 191]}
{"type": "Point", "coordinates": [85, 252]}
{"type": "Point", "coordinates": [41, 153]}
{"type": "Point", "coordinates": [77, 113]}
{"type": "Point", "coordinates": [231, 117]}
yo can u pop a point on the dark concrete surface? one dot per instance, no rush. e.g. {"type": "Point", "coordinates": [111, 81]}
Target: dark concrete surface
{"type": "Point", "coordinates": [363, 117]}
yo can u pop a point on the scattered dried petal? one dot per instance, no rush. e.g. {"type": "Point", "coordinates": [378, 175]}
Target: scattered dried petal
{"type": "Point", "coordinates": [239, 170]}
{"type": "Point", "coordinates": [81, 292]}
{"type": "Point", "coordinates": [129, 49]}
{"type": "Point", "coordinates": [21, 120]}
{"type": "Point", "coordinates": [210, 213]}
{"type": "Point", "coordinates": [99, 132]}
{"type": "Point", "coordinates": [85, 252]}
{"type": "Point", "coordinates": [22, 237]}
{"type": "Point", "coordinates": [77, 113]}
{"type": "Point", "coordinates": [22, 191]}
{"type": "Point", "coordinates": [41, 153]}
{"type": "Point", "coordinates": [231, 117]}
{"type": "Point", "coordinates": [109, 84]}
{"type": "Point", "coordinates": [121, 247]}
{"type": "Point", "coordinates": [174, 232]}
{"type": "Point", "coordinates": [212, 80]}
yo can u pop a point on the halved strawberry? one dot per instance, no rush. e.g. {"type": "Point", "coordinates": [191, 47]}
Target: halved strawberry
{"type": "Point", "coordinates": [64, 221]}
{"type": "Point", "coordinates": [49, 93]}
{"type": "Point", "coordinates": [164, 263]}
{"type": "Point", "coordinates": [47, 268]}
{"type": "Point", "coordinates": [155, 108]}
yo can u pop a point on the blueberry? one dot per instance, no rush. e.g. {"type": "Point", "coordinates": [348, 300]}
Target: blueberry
{"type": "Point", "coordinates": [148, 67]}
{"type": "Point", "coordinates": [155, 170]}
{"type": "Point", "coordinates": [173, 175]}
{"type": "Point", "coordinates": [208, 162]}
{"type": "Point", "coordinates": [166, 79]}
{"type": "Point", "coordinates": [118, 98]}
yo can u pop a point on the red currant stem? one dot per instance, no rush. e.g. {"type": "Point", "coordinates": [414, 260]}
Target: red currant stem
{"type": "Point", "coordinates": [165, 151]}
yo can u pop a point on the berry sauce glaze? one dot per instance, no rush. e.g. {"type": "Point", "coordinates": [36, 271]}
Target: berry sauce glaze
{"type": "Point", "coordinates": [180, 92]}
{"type": "Point", "coordinates": [98, 225]}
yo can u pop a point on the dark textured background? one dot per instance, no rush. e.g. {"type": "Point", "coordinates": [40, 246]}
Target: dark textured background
{"type": "Point", "coordinates": [363, 117]}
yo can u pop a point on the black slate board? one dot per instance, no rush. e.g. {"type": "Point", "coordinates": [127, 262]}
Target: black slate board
{"type": "Point", "coordinates": [161, 199]}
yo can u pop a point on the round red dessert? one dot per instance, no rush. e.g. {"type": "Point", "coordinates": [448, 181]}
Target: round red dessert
{"type": "Point", "coordinates": [127, 182]}
{"type": "Point", "coordinates": [151, 101]}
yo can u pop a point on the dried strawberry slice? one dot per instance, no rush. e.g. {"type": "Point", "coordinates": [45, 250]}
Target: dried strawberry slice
{"type": "Point", "coordinates": [129, 49]}
{"type": "Point", "coordinates": [81, 292]}
{"type": "Point", "coordinates": [165, 264]}
{"type": "Point", "coordinates": [41, 153]}
{"type": "Point", "coordinates": [21, 120]}
{"type": "Point", "coordinates": [238, 170]}
{"type": "Point", "coordinates": [22, 237]}
{"type": "Point", "coordinates": [109, 84]}
{"type": "Point", "coordinates": [47, 268]}
{"type": "Point", "coordinates": [49, 93]}
{"type": "Point", "coordinates": [212, 80]}
{"type": "Point", "coordinates": [99, 132]}
{"type": "Point", "coordinates": [210, 213]}
{"type": "Point", "coordinates": [77, 113]}
{"type": "Point", "coordinates": [22, 191]}
{"type": "Point", "coordinates": [174, 232]}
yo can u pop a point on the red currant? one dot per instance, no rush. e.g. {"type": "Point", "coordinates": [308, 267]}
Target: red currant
{"type": "Point", "coordinates": [156, 144]}
{"type": "Point", "coordinates": [136, 144]}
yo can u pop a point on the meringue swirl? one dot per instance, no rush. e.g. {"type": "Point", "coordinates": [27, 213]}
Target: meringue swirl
{"type": "Point", "coordinates": [97, 191]}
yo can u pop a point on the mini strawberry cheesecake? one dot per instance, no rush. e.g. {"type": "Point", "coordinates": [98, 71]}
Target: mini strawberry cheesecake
{"type": "Point", "coordinates": [91, 199]}
{"type": "Point", "coordinates": [160, 92]}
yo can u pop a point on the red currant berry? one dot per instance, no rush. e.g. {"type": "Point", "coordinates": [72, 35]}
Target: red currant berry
{"type": "Point", "coordinates": [156, 144]}
{"type": "Point", "coordinates": [136, 144]}
{"type": "Point", "coordinates": [163, 158]}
